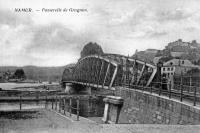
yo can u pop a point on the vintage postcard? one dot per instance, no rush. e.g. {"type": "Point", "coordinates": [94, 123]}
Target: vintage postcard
{"type": "Point", "coordinates": [99, 66]}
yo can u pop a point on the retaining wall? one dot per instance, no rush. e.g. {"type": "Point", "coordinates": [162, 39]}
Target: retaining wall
{"type": "Point", "coordinates": [146, 108]}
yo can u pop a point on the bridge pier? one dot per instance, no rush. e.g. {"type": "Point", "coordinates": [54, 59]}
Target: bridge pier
{"type": "Point", "coordinates": [69, 89]}
{"type": "Point", "coordinates": [77, 89]}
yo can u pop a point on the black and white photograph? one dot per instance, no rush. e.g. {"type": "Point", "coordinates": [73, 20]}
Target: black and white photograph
{"type": "Point", "coordinates": [99, 66]}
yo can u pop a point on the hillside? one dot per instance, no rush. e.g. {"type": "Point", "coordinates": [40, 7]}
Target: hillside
{"type": "Point", "coordinates": [147, 55]}
{"type": "Point", "coordinates": [39, 73]}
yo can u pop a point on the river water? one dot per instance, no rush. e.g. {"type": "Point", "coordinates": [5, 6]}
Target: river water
{"type": "Point", "coordinates": [10, 86]}
{"type": "Point", "coordinates": [11, 106]}
{"type": "Point", "coordinates": [8, 106]}
{"type": "Point", "coordinates": [90, 105]}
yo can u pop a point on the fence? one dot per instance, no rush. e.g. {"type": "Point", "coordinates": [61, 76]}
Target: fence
{"type": "Point", "coordinates": [88, 106]}
{"type": "Point", "coordinates": [136, 77]}
{"type": "Point", "coordinates": [27, 96]}
{"type": "Point", "coordinates": [60, 103]}
{"type": "Point", "coordinates": [178, 90]}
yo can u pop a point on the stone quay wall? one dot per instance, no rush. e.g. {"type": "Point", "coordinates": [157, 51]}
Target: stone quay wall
{"type": "Point", "coordinates": [146, 108]}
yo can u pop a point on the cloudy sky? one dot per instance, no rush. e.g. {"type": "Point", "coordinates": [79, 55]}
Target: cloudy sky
{"type": "Point", "coordinates": [119, 26]}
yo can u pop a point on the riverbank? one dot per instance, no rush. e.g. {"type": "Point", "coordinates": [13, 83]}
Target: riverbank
{"type": "Point", "coordinates": [13, 91]}
{"type": "Point", "coordinates": [50, 121]}
{"type": "Point", "coordinates": [11, 86]}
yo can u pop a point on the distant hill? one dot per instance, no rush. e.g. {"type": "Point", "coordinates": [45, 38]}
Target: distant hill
{"type": "Point", "coordinates": [147, 55]}
{"type": "Point", "coordinates": [39, 73]}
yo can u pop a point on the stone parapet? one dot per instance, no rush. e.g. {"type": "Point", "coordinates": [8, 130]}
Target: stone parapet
{"type": "Point", "coordinates": [113, 105]}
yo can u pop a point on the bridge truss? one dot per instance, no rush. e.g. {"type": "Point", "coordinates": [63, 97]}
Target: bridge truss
{"type": "Point", "coordinates": [109, 71]}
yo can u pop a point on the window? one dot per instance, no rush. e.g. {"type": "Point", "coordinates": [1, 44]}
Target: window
{"type": "Point", "coordinates": [182, 61]}
{"type": "Point", "coordinates": [168, 69]}
{"type": "Point", "coordinates": [171, 63]}
{"type": "Point", "coordinates": [171, 73]}
{"type": "Point", "coordinates": [172, 69]}
{"type": "Point", "coordinates": [163, 68]}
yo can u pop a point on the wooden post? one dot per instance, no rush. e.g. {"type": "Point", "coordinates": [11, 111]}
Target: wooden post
{"type": "Point", "coordinates": [170, 87]}
{"type": "Point", "coordinates": [181, 97]}
{"type": "Point", "coordinates": [143, 87]}
{"type": "Point", "coordinates": [195, 93]}
{"type": "Point", "coordinates": [190, 84]}
{"type": "Point", "coordinates": [46, 103]}
{"type": "Point", "coordinates": [160, 88]}
{"type": "Point", "coordinates": [56, 103]}
{"type": "Point", "coordinates": [52, 103]}
{"type": "Point", "coordinates": [59, 104]}
{"type": "Point", "coordinates": [20, 103]}
{"type": "Point", "coordinates": [64, 102]}
{"type": "Point", "coordinates": [70, 106]}
{"type": "Point", "coordinates": [77, 109]}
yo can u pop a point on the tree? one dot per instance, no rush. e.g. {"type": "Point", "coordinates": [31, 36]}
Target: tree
{"type": "Point", "coordinates": [91, 49]}
{"type": "Point", "coordinates": [19, 74]}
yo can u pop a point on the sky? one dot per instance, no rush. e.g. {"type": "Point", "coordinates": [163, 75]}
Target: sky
{"type": "Point", "coordinates": [120, 26]}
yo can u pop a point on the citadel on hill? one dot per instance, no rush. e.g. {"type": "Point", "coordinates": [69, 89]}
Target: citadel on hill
{"type": "Point", "coordinates": [177, 49]}
{"type": "Point", "coordinates": [177, 57]}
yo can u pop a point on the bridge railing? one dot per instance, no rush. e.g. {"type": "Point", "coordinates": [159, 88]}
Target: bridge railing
{"type": "Point", "coordinates": [64, 103]}
{"type": "Point", "coordinates": [180, 93]}
{"type": "Point", "coordinates": [76, 105]}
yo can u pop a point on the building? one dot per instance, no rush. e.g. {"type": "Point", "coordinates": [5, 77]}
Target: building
{"type": "Point", "coordinates": [178, 48]}
{"type": "Point", "coordinates": [177, 66]}
{"type": "Point", "coordinates": [179, 42]}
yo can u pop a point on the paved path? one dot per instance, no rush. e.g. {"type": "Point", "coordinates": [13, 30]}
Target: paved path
{"type": "Point", "coordinates": [49, 121]}
{"type": "Point", "coordinates": [44, 121]}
